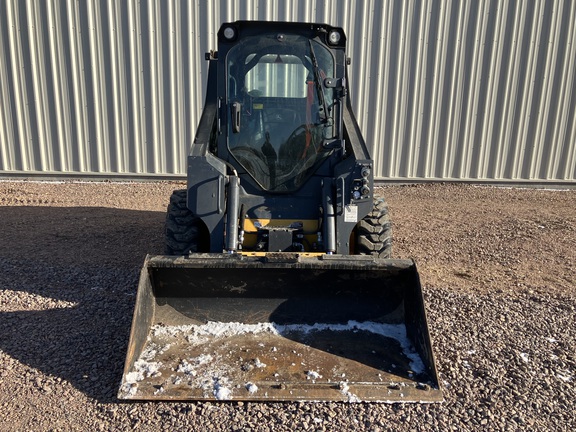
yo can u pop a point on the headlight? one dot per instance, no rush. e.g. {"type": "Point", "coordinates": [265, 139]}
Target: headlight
{"type": "Point", "coordinates": [230, 33]}
{"type": "Point", "coordinates": [334, 37]}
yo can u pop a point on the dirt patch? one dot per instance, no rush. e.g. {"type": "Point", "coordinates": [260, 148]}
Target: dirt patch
{"type": "Point", "coordinates": [487, 239]}
{"type": "Point", "coordinates": [497, 268]}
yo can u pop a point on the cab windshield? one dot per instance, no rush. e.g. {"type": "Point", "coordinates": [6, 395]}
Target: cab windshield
{"type": "Point", "coordinates": [279, 109]}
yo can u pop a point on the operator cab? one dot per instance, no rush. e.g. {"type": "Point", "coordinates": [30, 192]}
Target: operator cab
{"type": "Point", "coordinates": [285, 111]}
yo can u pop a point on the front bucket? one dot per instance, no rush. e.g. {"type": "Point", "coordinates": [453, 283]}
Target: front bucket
{"type": "Point", "coordinates": [280, 327]}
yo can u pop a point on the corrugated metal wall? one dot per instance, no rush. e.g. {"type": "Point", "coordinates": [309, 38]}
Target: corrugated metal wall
{"type": "Point", "coordinates": [478, 89]}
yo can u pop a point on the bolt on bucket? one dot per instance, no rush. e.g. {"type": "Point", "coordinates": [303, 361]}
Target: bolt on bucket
{"type": "Point", "coordinates": [279, 328]}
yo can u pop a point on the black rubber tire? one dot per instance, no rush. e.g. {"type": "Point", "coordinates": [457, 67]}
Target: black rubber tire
{"type": "Point", "coordinates": [374, 232]}
{"type": "Point", "coordinates": [185, 232]}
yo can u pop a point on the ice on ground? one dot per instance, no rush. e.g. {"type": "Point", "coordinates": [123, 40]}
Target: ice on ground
{"type": "Point", "coordinates": [203, 359]}
{"type": "Point", "coordinates": [199, 333]}
{"type": "Point", "coordinates": [251, 387]}
{"type": "Point", "coordinates": [143, 368]}
{"type": "Point", "coordinates": [221, 392]}
{"type": "Point", "coordinates": [258, 363]}
{"type": "Point", "coordinates": [312, 375]}
{"type": "Point", "coordinates": [345, 390]}
{"type": "Point", "coordinates": [212, 329]}
{"type": "Point", "coordinates": [187, 368]}
{"type": "Point", "coordinates": [148, 369]}
{"type": "Point", "coordinates": [129, 388]}
{"type": "Point", "coordinates": [352, 398]}
{"type": "Point", "coordinates": [208, 373]}
{"type": "Point", "coordinates": [187, 365]}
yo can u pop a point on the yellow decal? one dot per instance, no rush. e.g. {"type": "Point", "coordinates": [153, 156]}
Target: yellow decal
{"type": "Point", "coordinates": [308, 224]}
{"type": "Point", "coordinates": [310, 228]}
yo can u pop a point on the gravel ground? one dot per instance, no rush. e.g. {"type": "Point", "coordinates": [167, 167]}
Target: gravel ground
{"type": "Point", "coordinates": [497, 267]}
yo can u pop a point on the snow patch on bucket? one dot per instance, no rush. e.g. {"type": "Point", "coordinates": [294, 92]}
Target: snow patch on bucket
{"type": "Point", "coordinates": [198, 333]}
{"type": "Point", "coordinates": [143, 368]}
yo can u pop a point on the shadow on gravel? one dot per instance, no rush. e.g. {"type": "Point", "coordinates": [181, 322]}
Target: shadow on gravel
{"type": "Point", "coordinates": [76, 270]}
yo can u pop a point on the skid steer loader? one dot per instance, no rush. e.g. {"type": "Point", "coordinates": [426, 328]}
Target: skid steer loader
{"type": "Point", "coordinates": [277, 283]}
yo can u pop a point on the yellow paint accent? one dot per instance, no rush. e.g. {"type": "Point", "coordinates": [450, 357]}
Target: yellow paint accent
{"type": "Point", "coordinates": [258, 106]}
{"type": "Point", "coordinates": [302, 254]}
{"type": "Point", "coordinates": [309, 226]}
